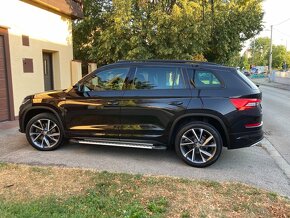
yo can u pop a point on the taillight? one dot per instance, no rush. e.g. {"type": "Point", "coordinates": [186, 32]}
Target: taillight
{"type": "Point", "coordinates": [245, 103]}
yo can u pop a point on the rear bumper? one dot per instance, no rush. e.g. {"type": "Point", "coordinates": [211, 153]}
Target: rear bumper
{"type": "Point", "coordinates": [245, 139]}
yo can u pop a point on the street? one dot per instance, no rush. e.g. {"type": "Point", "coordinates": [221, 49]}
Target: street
{"type": "Point", "coordinates": [276, 117]}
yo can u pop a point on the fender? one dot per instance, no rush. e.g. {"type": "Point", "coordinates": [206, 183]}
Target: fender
{"type": "Point", "coordinates": [58, 117]}
{"type": "Point", "coordinates": [201, 115]}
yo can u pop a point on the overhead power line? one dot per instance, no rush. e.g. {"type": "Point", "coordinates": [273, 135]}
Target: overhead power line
{"type": "Point", "coordinates": [282, 22]}
{"type": "Point", "coordinates": [282, 32]}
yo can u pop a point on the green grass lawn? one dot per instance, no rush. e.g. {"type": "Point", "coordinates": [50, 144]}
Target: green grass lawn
{"type": "Point", "coordinates": [29, 191]}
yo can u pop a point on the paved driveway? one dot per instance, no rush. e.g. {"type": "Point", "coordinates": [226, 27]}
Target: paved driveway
{"type": "Point", "coordinates": [250, 165]}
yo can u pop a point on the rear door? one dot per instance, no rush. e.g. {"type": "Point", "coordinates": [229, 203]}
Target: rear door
{"type": "Point", "coordinates": [156, 95]}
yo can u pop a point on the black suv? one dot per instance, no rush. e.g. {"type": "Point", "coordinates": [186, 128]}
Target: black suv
{"type": "Point", "coordinates": [197, 107]}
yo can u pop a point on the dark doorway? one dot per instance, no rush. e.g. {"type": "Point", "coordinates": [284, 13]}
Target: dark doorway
{"type": "Point", "coordinates": [4, 101]}
{"type": "Point", "coordinates": [47, 70]}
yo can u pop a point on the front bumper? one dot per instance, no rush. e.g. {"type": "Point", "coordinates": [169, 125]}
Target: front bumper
{"type": "Point", "coordinates": [22, 110]}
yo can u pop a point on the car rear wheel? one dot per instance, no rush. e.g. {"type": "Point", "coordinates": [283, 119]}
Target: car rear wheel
{"type": "Point", "coordinates": [199, 144]}
{"type": "Point", "coordinates": [44, 132]}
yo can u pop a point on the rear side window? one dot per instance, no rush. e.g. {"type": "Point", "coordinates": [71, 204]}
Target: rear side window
{"type": "Point", "coordinates": [158, 78]}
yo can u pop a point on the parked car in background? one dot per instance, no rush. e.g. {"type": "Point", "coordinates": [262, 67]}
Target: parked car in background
{"type": "Point", "coordinates": [195, 107]}
{"type": "Point", "coordinates": [254, 70]}
{"type": "Point", "coordinates": [259, 70]}
{"type": "Point", "coordinates": [246, 73]}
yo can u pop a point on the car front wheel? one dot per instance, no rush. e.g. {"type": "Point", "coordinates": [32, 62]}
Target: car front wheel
{"type": "Point", "coordinates": [44, 132]}
{"type": "Point", "coordinates": [199, 144]}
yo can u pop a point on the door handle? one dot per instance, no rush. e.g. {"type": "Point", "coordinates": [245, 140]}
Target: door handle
{"type": "Point", "coordinates": [176, 103]}
{"type": "Point", "coordinates": [112, 103]}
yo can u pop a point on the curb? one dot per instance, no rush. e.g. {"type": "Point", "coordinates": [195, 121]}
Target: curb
{"type": "Point", "coordinates": [277, 87]}
{"type": "Point", "coordinates": [280, 161]}
{"type": "Point", "coordinates": [273, 86]}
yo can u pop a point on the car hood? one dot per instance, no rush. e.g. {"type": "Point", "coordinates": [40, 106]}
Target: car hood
{"type": "Point", "coordinates": [50, 94]}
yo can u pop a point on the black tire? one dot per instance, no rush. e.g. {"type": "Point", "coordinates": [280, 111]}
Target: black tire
{"type": "Point", "coordinates": [184, 151]}
{"type": "Point", "coordinates": [54, 137]}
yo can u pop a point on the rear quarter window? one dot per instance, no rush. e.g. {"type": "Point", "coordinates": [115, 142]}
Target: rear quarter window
{"type": "Point", "coordinates": [247, 80]}
{"type": "Point", "coordinates": [204, 79]}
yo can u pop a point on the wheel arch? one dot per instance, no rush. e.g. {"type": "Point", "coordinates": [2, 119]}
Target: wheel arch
{"type": "Point", "coordinates": [38, 110]}
{"type": "Point", "coordinates": [212, 119]}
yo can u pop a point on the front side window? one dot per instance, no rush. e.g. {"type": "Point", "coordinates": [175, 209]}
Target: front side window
{"type": "Point", "coordinates": [112, 79]}
{"type": "Point", "coordinates": [205, 79]}
{"type": "Point", "coordinates": [158, 78]}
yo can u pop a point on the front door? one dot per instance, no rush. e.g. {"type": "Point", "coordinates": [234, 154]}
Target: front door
{"type": "Point", "coordinates": [94, 110]}
{"type": "Point", "coordinates": [4, 103]}
{"type": "Point", "coordinates": [47, 70]}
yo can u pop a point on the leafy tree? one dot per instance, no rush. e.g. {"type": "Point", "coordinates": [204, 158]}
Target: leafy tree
{"type": "Point", "coordinates": [288, 59]}
{"type": "Point", "coordinates": [244, 63]}
{"type": "Point", "coordinates": [87, 31]}
{"type": "Point", "coordinates": [165, 29]}
{"type": "Point", "coordinates": [234, 22]}
{"type": "Point", "coordinates": [234, 60]}
{"type": "Point", "coordinates": [260, 49]}
{"type": "Point", "coordinates": [279, 56]}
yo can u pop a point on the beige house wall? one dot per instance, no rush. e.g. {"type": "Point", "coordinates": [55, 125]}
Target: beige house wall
{"type": "Point", "coordinates": [92, 67]}
{"type": "Point", "coordinates": [48, 32]}
{"type": "Point", "coordinates": [76, 71]}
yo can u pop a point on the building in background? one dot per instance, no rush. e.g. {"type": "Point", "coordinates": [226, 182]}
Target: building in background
{"type": "Point", "coordinates": [36, 50]}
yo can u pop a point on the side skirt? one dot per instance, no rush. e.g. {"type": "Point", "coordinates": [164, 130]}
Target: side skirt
{"type": "Point", "coordinates": [119, 144]}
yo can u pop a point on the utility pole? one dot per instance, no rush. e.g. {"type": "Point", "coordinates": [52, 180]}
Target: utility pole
{"type": "Point", "coordinates": [285, 62]}
{"type": "Point", "coordinates": [286, 67]}
{"type": "Point", "coordinates": [271, 48]}
{"type": "Point", "coordinates": [254, 49]}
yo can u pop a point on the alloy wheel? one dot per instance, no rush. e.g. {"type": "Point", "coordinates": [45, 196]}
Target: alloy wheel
{"type": "Point", "coordinates": [198, 145]}
{"type": "Point", "coordinates": [44, 133]}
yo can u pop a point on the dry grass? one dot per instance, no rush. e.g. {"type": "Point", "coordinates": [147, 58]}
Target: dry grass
{"type": "Point", "coordinates": [21, 183]}
{"type": "Point", "coordinates": [86, 193]}
{"type": "Point", "coordinates": [213, 199]}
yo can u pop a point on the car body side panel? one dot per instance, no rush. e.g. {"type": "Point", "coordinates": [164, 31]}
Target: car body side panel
{"type": "Point", "coordinates": [146, 115]}
{"type": "Point", "coordinates": [218, 100]}
{"type": "Point", "coordinates": [46, 101]}
{"type": "Point", "coordinates": [93, 116]}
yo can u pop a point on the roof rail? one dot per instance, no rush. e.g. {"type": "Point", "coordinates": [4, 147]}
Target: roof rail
{"type": "Point", "coordinates": [168, 61]}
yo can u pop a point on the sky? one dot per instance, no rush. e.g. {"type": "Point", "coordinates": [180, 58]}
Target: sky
{"type": "Point", "coordinates": [277, 11]}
